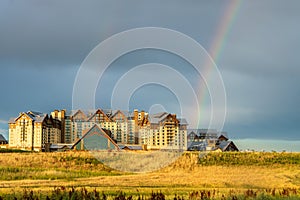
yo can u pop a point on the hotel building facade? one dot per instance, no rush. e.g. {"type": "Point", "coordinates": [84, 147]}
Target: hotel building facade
{"type": "Point", "coordinates": [33, 130]}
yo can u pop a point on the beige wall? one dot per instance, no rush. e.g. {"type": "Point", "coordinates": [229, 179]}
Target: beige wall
{"type": "Point", "coordinates": [29, 135]}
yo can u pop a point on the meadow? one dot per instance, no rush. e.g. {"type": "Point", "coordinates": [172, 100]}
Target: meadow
{"type": "Point", "coordinates": [78, 175]}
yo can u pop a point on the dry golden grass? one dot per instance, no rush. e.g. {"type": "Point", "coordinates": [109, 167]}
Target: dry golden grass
{"type": "Point", "coordinates": [183, 176]}
{"type": "Point", "coordinates": [66, 160]}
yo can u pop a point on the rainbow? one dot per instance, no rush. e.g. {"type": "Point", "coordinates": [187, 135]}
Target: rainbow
{"type": "Point", "coordinates": [230, 13]}
{"type": "Point", "coordinates": [223, 28]}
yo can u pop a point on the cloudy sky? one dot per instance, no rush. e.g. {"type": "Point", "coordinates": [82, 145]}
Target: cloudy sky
{"type": "Point", "coordinates": [43, 43]}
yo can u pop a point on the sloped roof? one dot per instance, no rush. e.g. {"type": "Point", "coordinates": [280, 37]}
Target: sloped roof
{"type": "Point", "coordinates": [225, 134]}
{"type": "Point", "coordinates": [132, 147]}
{"type": "Point", "coordinates": [156, 118]}
{"type": "Point", "coordinates": [40, 118]}
{"type": "Point", "coordinates": [34, 113]}
{"type": "Point", "coordinates": [35, 116]}
{"type": "Point", "coordinates": [103, 131]}
{"type": "Point", "coordinates": [191, 132]}
{"type": "Point", "coordinates": [159, 115]}
{"type": "Point", "coordinates": [2, 138]}
{"type": "Point", "coordinates": [199, 132]}
{"type": "Point", "coordinates": [91, 115]}
{"type": "Point", "coordinates": [107, 111]}
{"type": "Point", "coordinates": [226, 138]}
{"type": "Point", "coordinates": [126, 113]}
{"type": "Point", "coordinates": [121, 146]}
{"type": "Point", "coordinates": [29, 115]}
{"type": "Point", "coordinates": [78, 112]}
{"type": "Point", "coordinates": [225, 144]}
{"type": "Point", "coordinates": [114, 112]}
{"type": "Point", "coordinates": [74, 112]}
{"type": "Point", "coordinates": [183, 121]}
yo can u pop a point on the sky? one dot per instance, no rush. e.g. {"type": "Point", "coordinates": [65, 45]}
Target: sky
{"type": "Point", "coordinates": [44, 43]}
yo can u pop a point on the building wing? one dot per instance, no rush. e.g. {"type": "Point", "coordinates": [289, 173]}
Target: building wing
{"type": "Point", "coordinates": [95, 139]}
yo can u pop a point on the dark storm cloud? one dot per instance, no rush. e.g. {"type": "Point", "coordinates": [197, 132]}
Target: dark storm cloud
{"type": "Point", "coordinates": [265, 40]}
{"type": "Point", "coordinates": [64, 32]}
{"type": "Point", "coordinates": [262, 107]}
{"type": "Point", "coordinates": [44, 42]}
{"type": "Point", "coordinates": [260, 67]}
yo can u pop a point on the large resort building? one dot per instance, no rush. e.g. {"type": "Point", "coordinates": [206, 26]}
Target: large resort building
{"type": "Point", "coordinates": [133, 130]}
{"type": "Point", "coordinates": [34, 131]}
{"type": "Point", "coordinates": [163, 131]}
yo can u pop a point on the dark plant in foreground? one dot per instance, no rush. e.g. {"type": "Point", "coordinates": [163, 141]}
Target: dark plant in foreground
{"type": "Point", "coordinates": [64, 193]}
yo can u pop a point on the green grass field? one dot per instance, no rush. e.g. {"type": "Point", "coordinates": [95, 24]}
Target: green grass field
{"type": "Point", "coordinates": [78, 175]}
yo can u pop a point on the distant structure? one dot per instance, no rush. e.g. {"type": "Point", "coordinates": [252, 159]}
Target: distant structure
{"type": "Point", "coordinates": [3, 141]}
{"type": "Point", "coordinates": [120, 123]}
{"type": "Point", "coordinates": [57, 147]}
{"type": "Point", "coordinates": [62, 130]}
{"type": "Point", "coordinates": [163, 131]}
{"type": "Point", "coordinates": [40, 132]}
{"type": "Point", "coordinates": [209, 140]}
{"type": "Point", "coordinates": [96, 138]}
{"type": "Point", "coordinates": [32, 130]}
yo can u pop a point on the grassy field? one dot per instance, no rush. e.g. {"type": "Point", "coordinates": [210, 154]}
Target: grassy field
{"type": "Point", "coordinates": [214, 176]}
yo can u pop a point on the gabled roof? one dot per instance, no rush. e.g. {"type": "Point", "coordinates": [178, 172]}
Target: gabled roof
{"type": "Point", "coordinates": [158, 117]}
{"type": "Point", "coordinates": [223, 136]}
{"type": "Point", "coordinates": [126, 114]}
{"type": "Point", "coordinates": [34, 116]}
{"type": "Point", "coordinates": [24, 113]}
{"type": "Point", "coordinates": [34, 113]}
{"type": "Point", "coordinates": [95, 112]}
{"type": "Point", "coordinates": [183, 121]}
{"type": "Point", "coordinates": [70, 112]}
{"type": "Point", "coordinates": [79, 112]}
{"type": "Point", "coordinates": [192, 132]}
{"type": "Point", "coordinates": [194, 135]}
{"type": "Point", "coordinates": [225, 144]}
{"type": "Point", "coordinates": [39, 119]}
{"type": "Point", "coordinates": [115, 112]}
{"type": "Point", "coordinates": [108, 112]}
{"type": "Point", "coordinates": [208, 132]}
{"type": "Point", "coordinates": [2, 138]}
{"type": "Point", "coordinates": [99, 131]}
